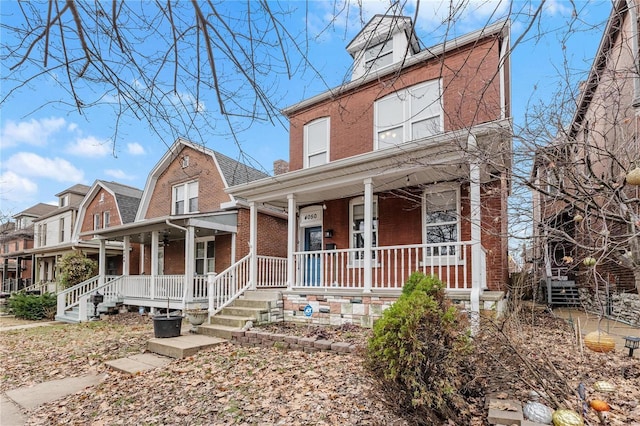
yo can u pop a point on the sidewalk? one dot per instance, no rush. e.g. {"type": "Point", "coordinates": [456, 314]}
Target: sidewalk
{"type": "Point", "coordinates": [589, 322]}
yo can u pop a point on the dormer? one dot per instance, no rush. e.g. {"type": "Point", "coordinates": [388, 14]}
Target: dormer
{"type": "Point", "coordinates": [386, 40]}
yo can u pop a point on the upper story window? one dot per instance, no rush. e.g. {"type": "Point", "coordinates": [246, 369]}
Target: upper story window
{"type": "Point", "coordinates": [5, 247]}
{"type": "Point", "coordinates": [96, 221]}
{"type": "Point", "coordinates": [379, 55]}
{"type": "Point", "coordinates": [64, 201]}
{"type": "Point", "coordinates": [316, 142]}
{"type": "Point", "coordinates": [408, 114]}
{"type": "Point", "coordinates": [356, 213]}
{"type": "Point", "coordinates": [43, 234]}
{"type": "Point", "coordinates": [441, 220]}
{"type": "Point", "coordinates": [185, 198]}
{"type": "Point", "coordinates": [106, 219]}
{"type": "Point", "coordinates": [19, 223]}
{"type": "Point", "coordinates": [62, 229]}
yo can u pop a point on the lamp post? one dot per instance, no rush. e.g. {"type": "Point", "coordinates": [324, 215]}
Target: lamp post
{"type": "Point", "coordinates": [631, 343]}
{"type": "Point", "coordinates": [96, 298]}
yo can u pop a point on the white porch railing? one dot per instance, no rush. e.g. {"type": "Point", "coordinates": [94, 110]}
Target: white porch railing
{"type": "Point", "coordinates": [228, 285]}
{"type": "Point", "coordinates": [392, 266]}
{"type": "Point", "coordinates": [272, 271]}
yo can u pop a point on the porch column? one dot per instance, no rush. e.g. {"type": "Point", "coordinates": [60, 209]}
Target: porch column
{"type": "Point", "coordinates": [291, 239]}
{"type": "Point", "coordinates": [253, 244]}
{"type": "Point", "coordinates": [102, 262]}
{"type": "Point", "coordinates": [126, 256]}
{"type": "Point", "coordinates": [189, 262]}
{"type": "Point", "coordinates": [234, 236]}
{"type": "Point", "coordinates": [368, 229]}
{"type": "Point", "coordinates": [154, 261]}
{"type": "Point", "coordinates": [478, 277]}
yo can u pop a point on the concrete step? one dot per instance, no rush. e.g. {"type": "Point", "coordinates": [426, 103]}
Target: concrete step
{"type": "Point", "coordinates": [268, 295]}
{"type": "Point", "coordinates": [251, 303]}
{"type": "Point", "coordinates": [229, 320]}
{"type": "Point", "coordinates": [182, 346]}
{"type": "Point", "coordinates": [216, 330]}
{"type": "Point", "coordinates": [241, 311]}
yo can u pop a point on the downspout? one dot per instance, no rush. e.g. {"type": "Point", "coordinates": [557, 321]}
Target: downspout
{"type": "Point", "coordinates": [186, 286]}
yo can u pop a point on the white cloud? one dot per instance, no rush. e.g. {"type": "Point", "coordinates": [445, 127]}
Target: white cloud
{"type": "Point", "coordinates": [15, 187]}
{"type": "Point", "coordinates": [90, 147]}
{"type": "Point", "coordinates": [118, 174]}
{"type": "Point", "coordinates": [32, 132]}
{"type": "Point", "coordinates": [135, 148]}
{"type": "Point", "coordinates": [30, 164]}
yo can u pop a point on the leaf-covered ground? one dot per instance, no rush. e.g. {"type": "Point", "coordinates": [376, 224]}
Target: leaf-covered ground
{"type": "Point", "coordinates": [256, 386]}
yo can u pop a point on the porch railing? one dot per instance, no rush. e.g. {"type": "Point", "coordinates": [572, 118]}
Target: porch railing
{"type": "Point", "coordinates": [391, 266]}
{"type": "Point", "coordinates": [71, 297]}
{"type": "Point", "coordinates": [10, 285]}
{"type": "Point", "coordinates": [272, 271]}
{"type": "Point", "coordinates": [228, 285]}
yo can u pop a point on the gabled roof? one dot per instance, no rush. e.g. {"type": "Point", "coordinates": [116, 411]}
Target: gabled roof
{"type": "Point", "coordinates": [75, 189]}
{"type": "Point", "coordinates": [380, 28]}
{"type": "Point", "coordinates": [614, 26]}
{"type": "Point", "coordinates": [127, 199]}
{"type": "Point", "coordinates": [38, 210]}
{"type": "Point", "coordinates": [231, 171]}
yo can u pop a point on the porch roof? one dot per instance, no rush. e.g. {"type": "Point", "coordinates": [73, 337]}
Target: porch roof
{"type": "Point", "coordinates": [206, 224]}
{"type": "Point", "coordinates": [440, 158]}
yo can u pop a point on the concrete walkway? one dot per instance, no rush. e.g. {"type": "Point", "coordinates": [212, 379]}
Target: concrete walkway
{"type": "Point", "coordinates": [589, 322]}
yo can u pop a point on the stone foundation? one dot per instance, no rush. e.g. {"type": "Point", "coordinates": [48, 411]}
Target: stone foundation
{"type": "Point", "coordinates": [624, 307]}
{"type": "Point", "coordinates": [356, 308]}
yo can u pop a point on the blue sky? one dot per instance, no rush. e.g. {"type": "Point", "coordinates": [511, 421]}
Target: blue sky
{"type": "Point", "coordinates": [46, 146]}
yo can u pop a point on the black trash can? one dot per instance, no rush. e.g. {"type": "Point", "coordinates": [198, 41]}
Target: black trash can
{"type": "Point", "coordinates": [164, 326]}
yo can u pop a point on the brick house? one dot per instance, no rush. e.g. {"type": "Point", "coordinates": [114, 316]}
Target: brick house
{"type": "Point", "coordinates": [404, 168]}
{"type": "Point", "coordinates": [53, 235]}
{"type": "Point", "coordinates": [583, 204]}
{"type": "Point", "coordinates": [16, 239]}
{"type": "Point", "coordinates": [186, 231]}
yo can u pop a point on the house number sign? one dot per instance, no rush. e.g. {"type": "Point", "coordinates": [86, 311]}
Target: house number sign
{"type": "Point", "coordinates": [311, 216]}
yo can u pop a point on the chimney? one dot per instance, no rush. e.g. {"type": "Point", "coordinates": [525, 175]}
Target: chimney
{"type": "Point", "coordinates": [280, 167]}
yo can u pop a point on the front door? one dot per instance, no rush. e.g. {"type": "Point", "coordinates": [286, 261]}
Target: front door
{"type": "Point", "coordinates": [312, 243]}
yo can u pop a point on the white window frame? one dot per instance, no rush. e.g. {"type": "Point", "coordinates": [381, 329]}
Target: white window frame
{"type": "Point", "coordinates": [356, 259]}
{"type": "Point", "coordinates": [206, 259]}
{"type": "Point", "coordinates": [308, 154]}
{"type": "Point", "coordinates": [404, 128]}
{"type": "Point", "coordinates": [188, 190]}
{"type": "Point", "coordinates": [96, 221]}
{"type": "Point", "coordinates": [379, 56]}
{"type": "Point", "coordinates": [448, 258]}
{"type": "Point", "coordinates": [106, 219]}
{"type": "Point", "coordinates": [62, 229]}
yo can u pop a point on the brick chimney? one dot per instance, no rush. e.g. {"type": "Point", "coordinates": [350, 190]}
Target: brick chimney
{"type": "Point", "coordinates": [280, 167]}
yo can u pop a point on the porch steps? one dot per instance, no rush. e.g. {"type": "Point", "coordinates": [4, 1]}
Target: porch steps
{"type": "Point", "coordinates": [182, 346]}
{"type": "Point", "coordinates": [254, 306]}
{"type": "Point", "coordinates": [72, 315]}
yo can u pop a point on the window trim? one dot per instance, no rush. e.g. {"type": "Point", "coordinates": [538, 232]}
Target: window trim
{"type": "Point", "coordinates": [96, 221]}
{"type": "Point", "coordinates": [409, 118]}
{"type": "Point", "coordinates": [305, 141]}
{"type": "Point", "coordinates": [359, 263]}
{"type": "Point", "coordinates": [61, 225]}
{"type": "Point", "coordinates": [186, 198]}
{"type": "Point", "coordinates": [373, 63]}
{"type": "Point", "coordinates": [205, 241]}
{"type": "Point", "coordinates": [106, 219]}
{"type": "Point", "coordinates": [447, 259]}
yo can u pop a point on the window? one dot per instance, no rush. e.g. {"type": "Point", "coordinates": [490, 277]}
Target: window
{"type": "Point", "coordinates": [379, 56]}
{"type": "Point", "coordinates": [409, 114]}
{"type": "Point", "coordinates": [62, 229]}
{"type": "Point", "coordinates": [44, 234]}
{"type": "Point", "coordinates": [96, 221]}
{"type": "Point", "coordinates": [16, 246]}
{"type": "Point", "coordinates": [316, 142]}
{"type": "Point", "coordinates": [205, 256]}
{"type": "Point", "coordinates": [185, 198]}
{"type": "Point", "coordinates": [5, 247]}
{"type": "Point", "coordinates": [64, 201]}
{"type": "Point", "coordinates": [441, 214]}
{"type": "Point", "coordinates": [356, 213]}
{"type": "Point", "coordinates": [185, 161]}
{"type": "Point", "coordinates": [106, 219]}
{"type": "Point", "coordinates": [19, 224]}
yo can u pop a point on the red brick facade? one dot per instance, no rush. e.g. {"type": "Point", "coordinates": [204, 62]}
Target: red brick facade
{"type": "Point", "coordinates": [103, 202]}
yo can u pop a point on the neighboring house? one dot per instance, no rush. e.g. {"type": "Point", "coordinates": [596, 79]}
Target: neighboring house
{"type": "Point", "coordinates": [16, 238]}
{"type": "Point", "coordinates": [53, 235]}
{"type": "Point", "coordinates": [108, 204]}
{"type": "Point", "coordinates": [583, 205]}
{"type": "Point", "coordinates": [186, 229]}
{"type": "Point", "coordinates": [405, 168]}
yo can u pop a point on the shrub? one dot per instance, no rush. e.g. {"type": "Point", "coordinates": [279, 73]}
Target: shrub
{"type": "Point", "coordinates": [75, 268]}
{"type": "Point", "coordinates": [418, 354]}
{"type": "Point", "coordinates": [33, 307]}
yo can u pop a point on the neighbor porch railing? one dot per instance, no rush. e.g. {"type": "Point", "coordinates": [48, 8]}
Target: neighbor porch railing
{"type": "Point", "coordinates": [10, 285]}
{"type": "Point", "coordinates": [391, 266]}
